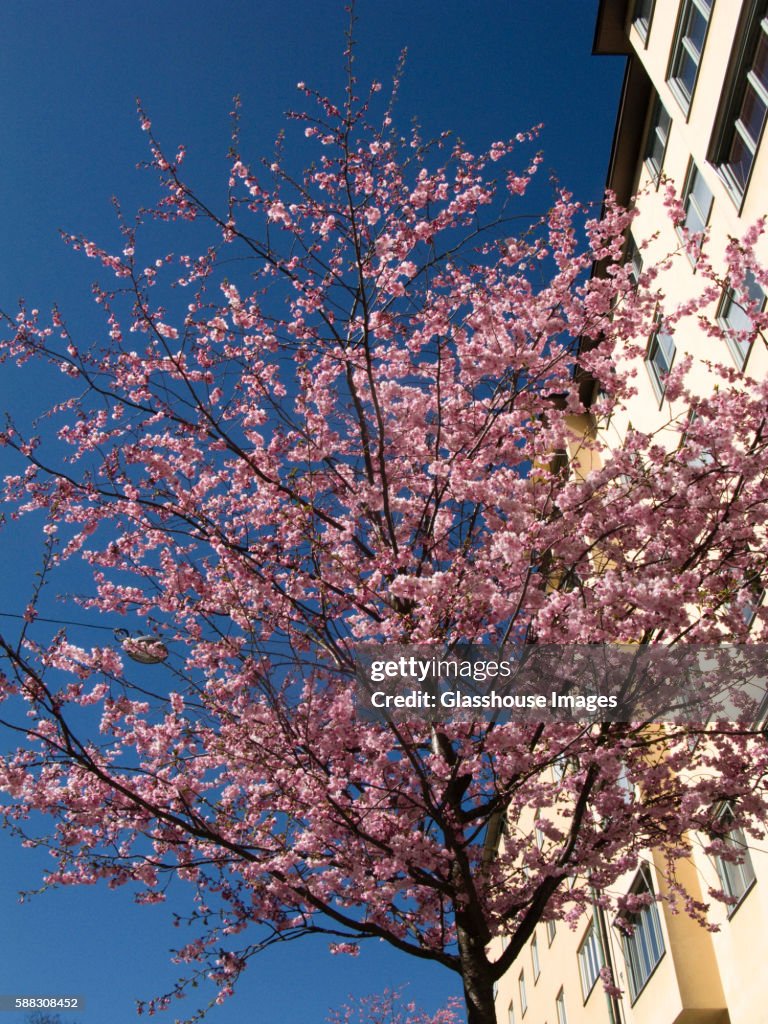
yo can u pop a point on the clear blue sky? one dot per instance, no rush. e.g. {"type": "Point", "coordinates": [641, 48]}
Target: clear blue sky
{"type": "Point", "coordinates": [69, 76]}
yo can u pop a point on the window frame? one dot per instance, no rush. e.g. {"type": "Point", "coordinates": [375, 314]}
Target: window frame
{"type": "Point", "coordinates": [705, 457]}
{"type": "Point", "coordinates": [642, 22]}
{"type": "Point", "coordinates": [654, 133]}
{"type": "Point", "coordinates": [749, 611]}
{"type": "Point", "coordinates": [634, 258]}
{"type": "Point", "coordinates": [523, 995]}
{"type": "Point", "coordinates": [535, 962]}
{"type": "Point", "coordinates": [551, 931]}
{"type": "Point", "coordinates": [728, 124]}
{"type": "Point", "coordinates": [591, 939]}
{"type": "Point", "coordinates": [683, 46]}
{"type": "Point", "coordinates": [560, 1012]}
{"type": "Point", "coordinates": [640, 973]}
{"type": "Point", "coordinates": [691, 201]}
{"type": "Point", "coordinates": [654, 372]}
{"type": "Point", "coordinates": [732, 296]}
{"type": "Point", "coordinates": [511, 1012]}
{"type": "Point", "coordinates": [726, 870]}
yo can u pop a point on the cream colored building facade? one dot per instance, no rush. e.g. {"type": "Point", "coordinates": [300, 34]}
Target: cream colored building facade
{"type": "Point", "coordinates": [693, 110]}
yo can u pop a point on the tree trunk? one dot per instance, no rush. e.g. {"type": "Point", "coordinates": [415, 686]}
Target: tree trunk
{"type": "Point", "coordinates": [476, 978]}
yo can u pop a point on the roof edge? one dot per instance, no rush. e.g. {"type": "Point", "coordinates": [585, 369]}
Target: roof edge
{"type": "Point", "coordinates": [611, 37]}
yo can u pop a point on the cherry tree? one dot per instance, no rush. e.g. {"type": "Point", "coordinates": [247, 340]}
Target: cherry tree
{"type": "Point", "coordinates": [334, 414]}
{"type": "Point", "coordinates": [389, 1007]}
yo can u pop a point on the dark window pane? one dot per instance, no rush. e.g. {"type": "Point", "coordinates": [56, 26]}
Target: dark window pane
{"type": "Point", "coordinates": [696, 28]}
{"type": "Point", "coordinates": [656, 151]}
{"type": "Point", "coordinates": [739, 161]}
{"type": "Point", "coordinates": [642, 16]}
{"type": "Point", "coordinates": [752, 113]}
{"type": "Point", "coordinates": [750, 110]}
{"type": "Point", "coordinates": [685, 72]}
{"type": "Point", "coordinates": [760, 63]}
{"type": "Point", "coordinates": [689, 45]}
{"type": "Point", "coordinates": [658, 133]}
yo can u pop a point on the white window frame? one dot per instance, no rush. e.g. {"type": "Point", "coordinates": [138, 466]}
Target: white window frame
{"type": "Point", "coordinates": [562, 1016]}
{"type": "Point", "coordinates": [739, 344]}
{"type": "Point", "coordinates": [634, 258]}
{"type": "Point", "coordinates": [535, 964]}
{"type": "Point", "coordinates": [644, 948]}
{"type": "Point", "coordinates": [661, 345]}
{"type": "Point", "coordinates": [697, 202]}
{"type": "Point", "coordinates": [523, 996]}
{"type": "Point", "coordinates": [684, 47]}
{"type": "Point", "coordinates": [590, 956]}
{"type": "Point", "coordinates": [642, 16]}
{"type": "Point", "coordinates": [551, 931]}
{"type": "Point", "coordinates": [658, 132]}
{"type": "Point", "coordinates": [511, 1013]}
{"type": "Point", "coordinates": [736, 879]}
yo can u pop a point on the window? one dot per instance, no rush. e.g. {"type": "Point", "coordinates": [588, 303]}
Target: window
{"type": "Point", "coordinates": [641, 17]}
{"type": "Point", "coordinates": [634, 260]}
{"type": "Point", "coordinates": [697, 202]}
{"type": "Point", "coordinates": [590, 960]}
{"type": "Point", "coordinates": [551, 929]}
{"type": "Point", "coordinates": [736, 878]}
{"type": "Point", "coordinates": [703, 456]}
{"type": "Point", "coordinates": [495, 990]}
{"type": "Point", "coordinates": [523, 997]}
{"type": "Point", "coordinates": [746, 113]}
{"type": "Point", "coordinates": [535, 959]}
{"type": "Point", "coordinates": [560, 1007]}
{"type": "Point", "coordinates": [659, 359]}
{"type": "Point", "coordinates": [511, 1014]}
{"type": "Point", "coordinates": [754, 593]}
{"type": "Point", "coordinates": [626, 785]}
{"type": "Point", "coordinates": [656, 143]}
{"type": "Point", "coordinates": [688, 48]}
{"type": "Point", "coordinates": [735, 317]}
{"type": "Point", "coordinates": [746, 596]}
{"type": "Point", "coordinates": [644, 947]}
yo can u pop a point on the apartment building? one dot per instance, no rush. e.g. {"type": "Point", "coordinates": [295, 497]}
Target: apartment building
{"type": "Point", "coordinates": [693, 110]}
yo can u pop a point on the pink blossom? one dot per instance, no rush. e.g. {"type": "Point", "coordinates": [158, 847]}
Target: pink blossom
{"type": "Point", "coordinates": [358, 429]}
